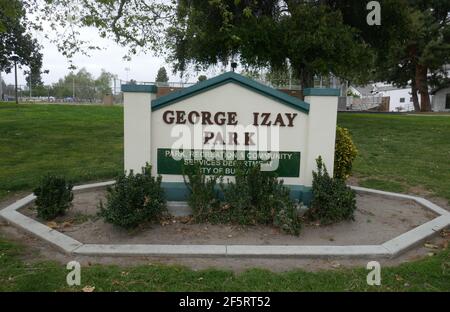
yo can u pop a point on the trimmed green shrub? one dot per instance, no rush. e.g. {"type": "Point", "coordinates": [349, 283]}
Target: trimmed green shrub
{"type": "Point", "coordinates": [203, 198]}
{"type": "Point", "coordinates": [344, 154]}
{"type": "Point", "coordinates": [134, 199]}
{"type": "Point", "coordinates": [332, 200]}
{"type": "Point", "coordinates": [53, 197]}
{"type": "Point", "coordinates": [256, 197]}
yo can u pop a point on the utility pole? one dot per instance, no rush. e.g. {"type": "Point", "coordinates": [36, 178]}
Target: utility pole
{"type": "Point", "coordinates": [72, 68]}
{"type": "Point", "coordinates": [28, 72]}
{"type": "Point", "coordinates": [1, 87]}
{"type": "Point", "coordinates": [127, 69]}
{"type": "Point", "coordinates": [15, 81]}
{"type": "Point", "coordinates": [15, 58]}
{"type": "Point", "coordinates": [114, 85]}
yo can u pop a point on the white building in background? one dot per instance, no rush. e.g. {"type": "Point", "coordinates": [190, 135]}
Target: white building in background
{"type": "Point", "coordinates": [400, 99]}
{"type": "Point", "coordinates": [441, 96]}
{"type": "Point", "coordinates": [441, 100]}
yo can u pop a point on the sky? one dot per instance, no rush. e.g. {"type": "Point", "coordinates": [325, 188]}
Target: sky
{"type": "Point", "coordinates": [142, 68]}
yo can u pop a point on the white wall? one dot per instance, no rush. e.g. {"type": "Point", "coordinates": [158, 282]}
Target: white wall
{"type": "Point", "coordinates": [438, 101]}
{"type": "Point", "coordinates": [137, 130]}
{"type": "Point", "coordinates": [396, 95]}
{"type": "Point", "coordinates": [321, 131]}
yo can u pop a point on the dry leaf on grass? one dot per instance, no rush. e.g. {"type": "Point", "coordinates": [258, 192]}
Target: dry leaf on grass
{"type": "Point", "coordinates": [336, 265]}
{"type": "Point", "coordinates": [66, 224]}
{"type": "Point", "coordinates": [88, 288]}
{"type": "Point", "coordinates": [164, 222]}
{"type": "Point", "coordinates": [185, 220]}
{"type": "Point", "coordinates": [52, 225]}
{"type": "Point", "coordinates": [431, 246]}
{"type": "Point", "coordinates": [445, 233]}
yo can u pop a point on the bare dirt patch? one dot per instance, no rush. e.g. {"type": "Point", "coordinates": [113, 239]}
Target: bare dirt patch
{"type": "Point", "coordinates": [377, 220]}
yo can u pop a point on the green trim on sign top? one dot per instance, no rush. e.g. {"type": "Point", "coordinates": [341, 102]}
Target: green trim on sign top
{"type": "Point", "coordinates": [139, 88]}
{"type": "Point", "coordinates": [321, 92]}
{"type": "Point", "coordinates": [223, 79]}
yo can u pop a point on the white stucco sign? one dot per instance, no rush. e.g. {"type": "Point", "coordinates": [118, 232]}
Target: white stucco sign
{"type": "Point", "coordinates": [226, 119]}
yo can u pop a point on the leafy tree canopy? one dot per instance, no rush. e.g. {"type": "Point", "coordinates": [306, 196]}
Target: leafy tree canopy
{"type": "Point", "coordinates": [84, 85]}
{"type": "Point", "coordinates": [15, 38]}
{"type": "Point", "coordinates": [312, 38]}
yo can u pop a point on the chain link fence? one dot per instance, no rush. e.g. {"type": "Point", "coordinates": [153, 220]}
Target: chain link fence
{"type": "Point", "coordinates": [63, 93]}
{"type": "Point", "coordinates": [79, 93]}
{"type": "Point", "coordinates": [75, 92]}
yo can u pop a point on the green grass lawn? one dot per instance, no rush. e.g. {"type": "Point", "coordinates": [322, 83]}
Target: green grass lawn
{"type": "Point", "coordinates": [399, 152]}
{"type": "Point", "coordinates": [430, 274]}
{"type": "Point", "coordinates": [85, 143]}
{"type": "Point", "coordinates": [82, 142]}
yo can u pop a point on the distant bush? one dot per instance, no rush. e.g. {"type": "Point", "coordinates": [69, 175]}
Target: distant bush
{"type": "Point", "coordinates": [53, 197]}
{"type": "Point", "coordinates": [134, 199]}
{"type": "Point", "coordinates": [256, 197]}
{"type": "Point", "coordinates": [344, 154]}
{"type": "Point", "coordinates": [332, 200]}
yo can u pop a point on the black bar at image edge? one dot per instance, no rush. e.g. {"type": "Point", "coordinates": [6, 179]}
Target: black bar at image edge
{"type": "Point", "coordinates": [215, 301]}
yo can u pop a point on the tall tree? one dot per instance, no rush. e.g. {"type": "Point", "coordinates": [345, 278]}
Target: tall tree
{"type": "Point", "coordinates": [34, 74]}
{"type": "Point", "coordinates": [15, 38]}
{"type": "Point", "coordinates": [136, 24]}
{"type": "Point", "coordinates": [162, 75]}
{"type": "Point", "coordinates": [309, 35]}
{"type": "Point", "coordinates": [83, 85]}
{"type": "Point", "coordinates": [412, 43]}
{"type": "Point", "coordinates": [103, 83]}
{"type": "Point", "coordinates": [429, 46]}
{"type": "Point", "coordinates": [314, 36]}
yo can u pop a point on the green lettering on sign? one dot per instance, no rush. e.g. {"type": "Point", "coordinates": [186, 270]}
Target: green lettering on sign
{"type": "Point", "coordinates": [223, 162]}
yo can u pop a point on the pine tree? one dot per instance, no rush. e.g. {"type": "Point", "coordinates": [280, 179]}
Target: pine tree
{"type": "Point", "coordinates": [162, 75]}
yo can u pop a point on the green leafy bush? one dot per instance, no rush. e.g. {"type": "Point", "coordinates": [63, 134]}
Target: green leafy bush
{"type": "Point", "coordinates": [344, 154]}
{"type": "Point", "coordinates": [332, 200]}
{"type": "Point", "coordinates": [256, 197]}
{"type": "Point", "coordinates": [203, 198]}
{"type": "Point", "coordinates": [53, 197]}
{"type": "Point", "coordinates": [134, 199]}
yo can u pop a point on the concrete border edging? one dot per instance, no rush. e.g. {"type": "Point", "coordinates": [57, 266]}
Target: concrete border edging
{"type": "Point", "coordinates": [391, 248]}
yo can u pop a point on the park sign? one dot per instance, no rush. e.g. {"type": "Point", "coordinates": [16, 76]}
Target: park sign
{"type": "Point", "coordinates": [224, 120]}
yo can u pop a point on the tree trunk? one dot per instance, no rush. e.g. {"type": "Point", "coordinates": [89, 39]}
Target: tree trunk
{"type": "Point", "coordinates": [422, 87]}
{"type": "Point", "coordinates": [415, 96]}
{"type": "Point", "coordinates": [306, 80]}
